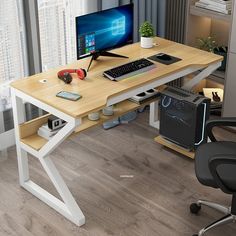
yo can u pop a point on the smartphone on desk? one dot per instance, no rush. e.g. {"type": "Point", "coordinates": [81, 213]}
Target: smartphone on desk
{"type": "Point", "coordinates": [69, 96]}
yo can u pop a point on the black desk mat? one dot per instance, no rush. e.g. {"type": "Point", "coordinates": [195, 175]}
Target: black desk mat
{"type": "Point", "coordinates": [166, 62]}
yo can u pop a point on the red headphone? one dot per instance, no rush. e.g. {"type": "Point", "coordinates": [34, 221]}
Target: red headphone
{"type": "Point", "coordinates": [65, 74]}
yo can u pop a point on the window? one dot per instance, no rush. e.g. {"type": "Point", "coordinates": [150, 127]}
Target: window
{"type": "Point", "coordinates": [12, 46]}
{"type": "Point", "coordinates": [57, 31]}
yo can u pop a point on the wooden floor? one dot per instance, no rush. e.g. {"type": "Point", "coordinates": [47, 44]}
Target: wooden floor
{"type": "Point", "coordinates": [125, 183]}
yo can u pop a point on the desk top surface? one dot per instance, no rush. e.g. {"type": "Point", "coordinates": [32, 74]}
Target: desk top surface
{"type": "Point", "coordinates": [96, 89]}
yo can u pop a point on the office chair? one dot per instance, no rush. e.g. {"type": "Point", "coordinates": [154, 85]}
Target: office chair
{"type": "Point", "coordinates": [215, 166]}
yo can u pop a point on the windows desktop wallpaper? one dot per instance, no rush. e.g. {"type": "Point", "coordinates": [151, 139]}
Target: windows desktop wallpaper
{"type": "Point", "coordinates": [104, 30]}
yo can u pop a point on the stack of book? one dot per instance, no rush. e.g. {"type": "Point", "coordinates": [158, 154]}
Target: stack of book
{"type": "Point", "coordinates": [222, 6]}
{"type": "Point", "coordinates": [47, 133]}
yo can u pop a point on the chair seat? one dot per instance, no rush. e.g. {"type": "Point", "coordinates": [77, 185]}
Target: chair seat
{"type": "Point", "coordinates": [202, 156]}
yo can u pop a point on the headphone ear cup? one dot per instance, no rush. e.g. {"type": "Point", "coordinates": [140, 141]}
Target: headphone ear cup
{"type": "Point", "coordinates": [81, 73]}
{"type": "Point", "coordinates": [66, 77]}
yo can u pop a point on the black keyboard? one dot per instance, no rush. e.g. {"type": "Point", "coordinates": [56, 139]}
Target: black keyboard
{"type": "Point", "coordinates": [130, 69]}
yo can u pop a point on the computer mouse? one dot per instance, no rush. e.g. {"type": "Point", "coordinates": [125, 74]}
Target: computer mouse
{"type": "Point", "coordinates": [163, 57]}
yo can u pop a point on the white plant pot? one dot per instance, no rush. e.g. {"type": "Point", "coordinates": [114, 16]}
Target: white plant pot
{"type": "Point", "coordinates": [146, 42]}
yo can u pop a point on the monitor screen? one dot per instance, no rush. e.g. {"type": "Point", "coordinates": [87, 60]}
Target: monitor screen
{"type": "Point", "coordinates": [104, 30]}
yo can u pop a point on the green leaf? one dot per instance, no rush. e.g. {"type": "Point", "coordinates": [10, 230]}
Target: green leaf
{"type": "Point", "coordinates": [146, 30]}
{"type": "Point", "coordinates": [207, 44]}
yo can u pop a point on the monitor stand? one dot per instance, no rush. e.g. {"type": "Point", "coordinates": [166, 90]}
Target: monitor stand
{"type": "Point", "coordinates": [95, 56]}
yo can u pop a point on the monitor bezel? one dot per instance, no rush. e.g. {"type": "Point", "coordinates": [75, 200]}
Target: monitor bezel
{"type": "Point", "coordinates": [108, 48]}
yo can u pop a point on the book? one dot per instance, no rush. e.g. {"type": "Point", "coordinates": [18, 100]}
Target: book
{"type": "Point", "coordinates": [212, 8]}
{"type": "Point", "coordinates": [44, 135]}
{"type": "Point", "coordinates": [223, 2]}
{"type": "Point", "coordinates": [45, 132]}
{"type": "Point", "coordinates": [216, 4]}
{"type": "Point", "coordinates": [213, 2]}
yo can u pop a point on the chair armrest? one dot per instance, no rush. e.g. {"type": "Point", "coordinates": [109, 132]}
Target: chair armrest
{"type": "Point", "coordinates": [231, 121]}
{"type": "Point", "coordinates": [215, 162]}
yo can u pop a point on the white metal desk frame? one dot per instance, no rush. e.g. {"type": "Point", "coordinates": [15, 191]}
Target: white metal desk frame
{"type": "Point", "coordinates": [68, 207]}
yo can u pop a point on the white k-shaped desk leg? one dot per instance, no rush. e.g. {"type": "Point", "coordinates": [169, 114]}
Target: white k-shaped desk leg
{"type": "Point", "coordinates": [202, 75]}
{"type": "Point", "coordinates": [153, 115]}
{"type": "Point", "coordinates": [68, 207]}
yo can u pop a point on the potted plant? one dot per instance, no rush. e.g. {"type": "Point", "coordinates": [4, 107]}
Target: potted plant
{"type": "Point", "coordinates": [146, 31]}
{"type": "Point", "coordinates": [222, 51]}
{"type": "Point", "coordinates": [209, 44]}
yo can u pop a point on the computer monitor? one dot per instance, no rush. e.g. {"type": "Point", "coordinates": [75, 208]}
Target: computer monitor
{"type": "Point", "coordinates": [101, 31]}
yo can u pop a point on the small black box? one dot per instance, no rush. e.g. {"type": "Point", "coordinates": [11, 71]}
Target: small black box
{"type": "Point", "coordinates": [55, 123]}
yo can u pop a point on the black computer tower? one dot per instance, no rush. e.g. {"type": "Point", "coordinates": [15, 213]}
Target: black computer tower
{"type": "Point", "coordinates": [183, 116]}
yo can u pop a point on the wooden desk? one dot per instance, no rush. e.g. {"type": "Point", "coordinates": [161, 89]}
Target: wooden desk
{"type": "Point", "coordinates": [97, 93]}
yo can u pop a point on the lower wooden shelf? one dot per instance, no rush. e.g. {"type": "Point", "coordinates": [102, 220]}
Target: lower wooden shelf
{"type": "Point", "coordinates": [119, 110]}
{"type": "Point", "coordinates": [34, 141]}
{"type": "Point", "coordinates": [28, 130]}
{"type": "Point", "coordinates": [159, 139]}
